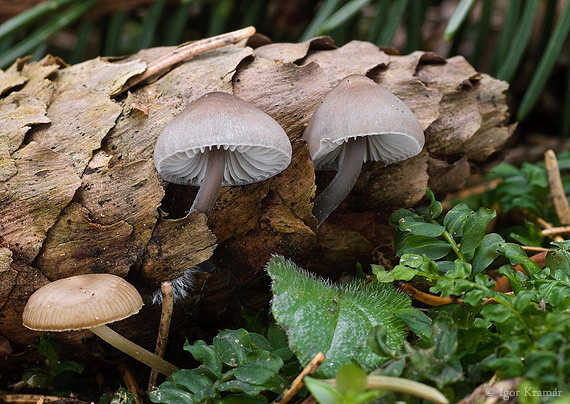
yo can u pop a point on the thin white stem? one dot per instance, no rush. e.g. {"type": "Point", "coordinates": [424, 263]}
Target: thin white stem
{"type": "Point", "coordinates": [406, 386]}
{"type": "Point", "coordinates": [343, 182]}
{"type": "Point", "coordinates": [210, 187]}
{"type": "Point", "coordinates": [130, 348]}
{"type": "Point", "coordinates": [402, 385]}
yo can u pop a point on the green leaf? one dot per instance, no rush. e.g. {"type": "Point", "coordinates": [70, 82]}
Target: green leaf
{"type": "Point", "coordinates": [461, 270]}
{"type": "Point", "coordinates": [260, 342]}
{"type": "Point", "coordinates": [547, 62]}
{"type": "Point", "coordinates": [381, 274]}
{"type": "Point", "coordinates": [351, 378]}
{"type": "Point", "coordinates": [393, 368]}
{"type": "Point", "coordinates": [473, 297]}
{"type": "Point", "coordinates": [474, 229]}
{"type": "Point", "coordinates": [67, 366]}
{"type": "Point", "coordinates": [49, 346]}
{"type": "Point", "coordinates": [557, 295]}
{"type": "Point", "coordinates": [334, 319]}
{"type": "Point", "coordinates": [435, 207]}
{"type": "Point", "coordinates": [517, 255]}
{"type": "Point", "coordinates": [486, 252]}
{"type": "Point", "coordinates": [508, 366]}
{"type": "Point", "coordinates": [31, 15]}
{"type": "Point", "coordinates": [496, 313]}
{"type": "Point", "coordinates": [238, 386]}
{"type": "Point", "coordinates": [378, 342]}
{"type": "Point", "coordinates": [39, 35]}
{"type": "Point", "coordinates": [260, 367]}
{"type": "Point", "coordinates": [325, 10]}
{"type": "Point", "coordinates": [169, 392]}
{"type": "Point", "coordinates": [455, 219]}
{"type": "Point", "coordinates": [242, 399]}
{"type": "Point", "coordinates": [418, 322]}
{"type": "Point", "coordinates": [523, 300]}
{"type": "Point", "coordinates": [419, 227]}
{"type": "Point", "coordinates": [205, 354]}
{"type": "Point", "coordinates": [323, 392]}
{"type": "Point", "coordinates": [401, 215]}
{"type": "Point", "coordinates": [392, 23]}
{"type": "Point", "coordinates": [558, 260]}
{"type": "Point", "coordinates": [412, 260]}
{"type": "Point", "coordinates": [520, 41]}
{"type": "Point", "coordinates": [233, 346]}
{"type": "Point", "coordinates": [37, 376]}
{"type": "Point", "coordinates": [513, 277]}
{"type": "Point", "coordinates": [343, 15]}
{"type": "Point", "coordinates": [444, 334]}
{"type": "Point", "coordinates": [403, 273]}
{"type": "Point", "coordinates": [457, 18]}
{"type": "Point", "coordinates": [278, 340]}
{"type": "Point", "coordinates": [432, 247]}
{"type": "Point", "coordinates": [198, 381]}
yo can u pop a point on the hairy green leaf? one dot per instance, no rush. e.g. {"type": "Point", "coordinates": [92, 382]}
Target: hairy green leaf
{"type": "Point", "coordinates": [334, 319]}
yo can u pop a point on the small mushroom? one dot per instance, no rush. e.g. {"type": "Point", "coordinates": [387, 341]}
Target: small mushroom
{"type": "Point", "coordinates": [89, 302]}
{"type": "Point", "coordinates": [358, 121]}
{"type": "Point", "coordinates": [220, 140]}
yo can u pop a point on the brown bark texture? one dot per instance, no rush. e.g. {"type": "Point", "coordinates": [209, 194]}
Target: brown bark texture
{"type": "Point", "coordinates": [79, 192]}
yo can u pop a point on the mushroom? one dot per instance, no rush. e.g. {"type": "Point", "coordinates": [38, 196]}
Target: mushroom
{"type": "Point", "coordinates": [358, 121]}
{"type": "Point", "coordinates": [89, 302]}
{"type": "Point", "coordinates": [218, 140]}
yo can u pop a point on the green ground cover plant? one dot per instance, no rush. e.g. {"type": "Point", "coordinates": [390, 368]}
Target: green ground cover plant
{"type": "Point", "coordinates": [454, 347]}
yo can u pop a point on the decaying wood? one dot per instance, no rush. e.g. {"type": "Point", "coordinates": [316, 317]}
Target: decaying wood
{"type": "Point", "coordinates": [79, 192]}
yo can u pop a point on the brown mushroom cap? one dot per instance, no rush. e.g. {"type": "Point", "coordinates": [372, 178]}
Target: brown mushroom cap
{"type": "Point", "coordinates": [81, 302]}
{"type": "Point", "coordinates": [255, 145]}
{"type": "Point", "coordinates": [358, 107]}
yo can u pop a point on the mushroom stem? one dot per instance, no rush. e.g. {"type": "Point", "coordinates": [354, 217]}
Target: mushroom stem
{"type": "Point", "coordinates": [344, 180]}
{"type": "Point", "coordinates": [130, 348]}
{"type": "Point", "coordinates": [212, 182]}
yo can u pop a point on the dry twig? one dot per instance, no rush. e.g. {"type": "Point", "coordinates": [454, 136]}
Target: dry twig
{"type": "Point", "coordinates": [535, 249]}
{"type": "Point", "coordinates": [35, 399]}
{"type": "Point", "coordinates": [163, 329]}
{"type": "Point", "coordinates": [187, 51]}
{"type": "Point", "coordinates": [426, 298]}
{"type": "Point", "coordinates": [130, 381]}
{"type": "Point", "coordinates": [297, 384]}
{"type": "Point", "coordinates": [556, 189]}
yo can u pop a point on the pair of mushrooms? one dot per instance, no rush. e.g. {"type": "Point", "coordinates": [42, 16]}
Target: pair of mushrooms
{"type": "Point", "coordinates": [220, 139]}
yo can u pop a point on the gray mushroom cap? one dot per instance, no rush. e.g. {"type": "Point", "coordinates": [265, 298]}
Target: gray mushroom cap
{"type": "Point", "coordinates": [257, 147]}
{"type": "Point", "coordinates": [357, 107]}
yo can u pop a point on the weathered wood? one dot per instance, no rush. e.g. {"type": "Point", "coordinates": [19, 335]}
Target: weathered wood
{"type": "Point", "coordinates": [79, 192]}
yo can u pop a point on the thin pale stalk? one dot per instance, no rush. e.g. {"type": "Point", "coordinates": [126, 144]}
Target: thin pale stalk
{"type": "Point", "coordinates": [343, 182]}
{"type": "Point", "coordinates": [212, 182]}
{"type": "Point", "coordinates": [130, 348]}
